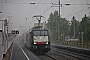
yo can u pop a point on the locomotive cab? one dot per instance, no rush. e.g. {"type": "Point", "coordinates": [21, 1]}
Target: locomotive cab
{"type": "Point", "coordinates": [40, 40]}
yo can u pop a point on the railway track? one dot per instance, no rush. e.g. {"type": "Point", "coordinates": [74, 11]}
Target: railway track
{"type": "Point", "coordinates": [53, 55]}
{"type": "Point", "coordinates": [71, 54]}
{"type": "Point", "coordinates": [46, 57]}
{"type": "Point", "coordinates": [63, 54]}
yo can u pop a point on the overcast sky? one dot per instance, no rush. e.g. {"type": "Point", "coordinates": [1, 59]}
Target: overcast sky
{"type": "Point", "coordinates": [19, 10]}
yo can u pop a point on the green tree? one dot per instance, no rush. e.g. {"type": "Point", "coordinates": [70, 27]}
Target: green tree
{"type": "Point", "coordinates": [84, 23]}
{"type": "Point", "coordinates": [75, 26]}
{"type": "Point", "coordinates": [54, 21]}
{"type": "Point", "coordinates": [85, 27]}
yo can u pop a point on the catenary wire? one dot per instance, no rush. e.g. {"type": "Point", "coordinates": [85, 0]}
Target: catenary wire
{"type": "Point", "coordinates": [78, 12]}
{"type": "Point", "coordinates": [47, 9]}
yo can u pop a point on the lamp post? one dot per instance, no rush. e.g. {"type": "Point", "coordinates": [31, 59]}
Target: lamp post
{"type": "Point", "coordinates": [82, 39]}
{"type": "Point", "coordinates": [74, 29]}
{"type": "Point", "coordinates": [10, 27]}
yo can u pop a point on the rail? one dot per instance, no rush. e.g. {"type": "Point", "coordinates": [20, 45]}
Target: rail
{"type": "Point", "coordinates": [83, 51]}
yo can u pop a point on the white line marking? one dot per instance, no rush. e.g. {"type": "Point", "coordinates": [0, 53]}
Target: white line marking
{"type": "Point", "coordinates": [23, 52]}
{"type": "Point", "coordinates": [11, 52]}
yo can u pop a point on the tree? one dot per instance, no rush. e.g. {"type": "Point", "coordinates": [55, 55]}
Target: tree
{"type": "Point", "coordinates": [53, 22]}
{"type": "Point", "coordinates": [74, 27]}
{"type": "Point", "coordinates": [84, 23]}
{"type": "Point", "coordinates": [85, 27]}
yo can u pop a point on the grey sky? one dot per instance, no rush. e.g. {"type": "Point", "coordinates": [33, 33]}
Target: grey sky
{"type": "Point", "coordinates": [19, 12]}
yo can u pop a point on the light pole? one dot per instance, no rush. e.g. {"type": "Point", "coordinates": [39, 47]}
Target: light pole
{"type": "Point", "coordinates": [58, 32]}
{"type": "Point", "coordinates": [59, 8]}
{"type": "Point", "coordinates": [82, 39]}
{"type": "Point", "coordinates": [74, 28]}
{"type": "Point", "coordinates": [10, 27]}
{"type": "Point", "coordinates": [58, 24]}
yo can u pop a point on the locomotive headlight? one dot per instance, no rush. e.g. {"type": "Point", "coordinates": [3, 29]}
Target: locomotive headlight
{"type": "Point", "coordinates": [46, 42]}
{"type": "Point", "coordinates": [35, 43]}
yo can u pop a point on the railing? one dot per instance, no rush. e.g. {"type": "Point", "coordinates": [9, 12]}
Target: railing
{"type": "Point", "coordinates": [7, 55]}
{"type": "Point", "coordinates": [78, 44]}
{"type": "Point", "coordinates": [74, 43]}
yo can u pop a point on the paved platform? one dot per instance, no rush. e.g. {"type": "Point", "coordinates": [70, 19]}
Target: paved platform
{"type": "Point", "coordinates": [3, 48]}
{"type": "Point", "coordinates": [1, 51]}
{"type": "Point", "coordinates": [20, 52]}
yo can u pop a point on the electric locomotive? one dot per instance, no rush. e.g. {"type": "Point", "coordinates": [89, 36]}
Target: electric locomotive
{"type": "Point", "coordinates": [38, 39]}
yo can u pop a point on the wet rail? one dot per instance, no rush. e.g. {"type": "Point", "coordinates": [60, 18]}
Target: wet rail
{"type": "Point", "coordinates": [46, 57]}
{"type": "Point", "coordinates": [79, 53]}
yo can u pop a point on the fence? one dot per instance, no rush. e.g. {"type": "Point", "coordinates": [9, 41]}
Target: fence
{"type": "Point", "coordinates": [77, 44]}
{"type": "Point", "coordinates": [7, 55]}
{"type": "Point", "coordinates": [73, 43]}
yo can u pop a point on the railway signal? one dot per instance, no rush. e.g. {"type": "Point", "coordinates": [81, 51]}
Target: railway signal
{"type": "Point", "coordinates": [78, 33]}
{"type": "Point", "coordinates": [15, 31]}
{"type": "Point", "coordinates": [61, 34]}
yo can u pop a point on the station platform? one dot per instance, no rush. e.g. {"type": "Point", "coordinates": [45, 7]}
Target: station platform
{"type": "Point", "coordinates": [20, 52]}
{"type": "Point", "coordinates": [1, 47]}
{"type": "Point", "coordinates": [4, 48]}
{"type": "Point", "coordinates": [1, 51]}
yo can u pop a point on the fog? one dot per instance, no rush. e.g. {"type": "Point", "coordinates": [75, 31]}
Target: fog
{"type": "Point", "coordinates": [19, 13]}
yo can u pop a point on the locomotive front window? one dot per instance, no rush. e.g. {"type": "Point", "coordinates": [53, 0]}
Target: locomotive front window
{"type": "Point", "coordinates": [36, 33]}
{"type": "Point", "coordinates": [40, 33]}
{"type": "Point", "coordinates": [44, 33]}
